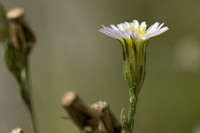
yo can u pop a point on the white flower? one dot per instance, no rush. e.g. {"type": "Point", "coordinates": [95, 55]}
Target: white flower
{"type": "Point", "coordinates": [133, 30]}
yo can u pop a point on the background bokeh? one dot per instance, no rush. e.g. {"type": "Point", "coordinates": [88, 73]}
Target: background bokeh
{"type": "Point", "coordinates": [72, 55]}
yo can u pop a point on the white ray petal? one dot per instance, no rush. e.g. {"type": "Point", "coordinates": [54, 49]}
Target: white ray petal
{"type": "Point", "coordinates": [135, 34]}
{"type": "Point", "coordinates": [114, 27]}
{"type": "Point", "coordinates": [152, 28]}
{"type": "Point", "coordinates": [127, 28]}
{"type": "Point", "coordinates": [126, 25]}
{"type": "Point", "coordinates": [143, 25]}
{"type": "Point", "coordinates": [162, 30]}
{"type": "Point", "coordinates": [133, 29]}
{"type": "Point", "coordinates": [136, 24]}
{"type": "Point", "coordinates": [121, 27]}
{"type": "Point", "coordinates": [160, 25]}
{"type": "Point", "coordinates": [123, 31]}
{"type": "Point", "coordinates": [108, 31]}
{"type": "Point", "coordinates": [118, 32]}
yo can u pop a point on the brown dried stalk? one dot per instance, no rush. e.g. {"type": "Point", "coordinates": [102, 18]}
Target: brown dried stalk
{"type": "Point", "coordinates": [94, 119]}
{"type": "Point", "coordinates": [108, 122]}
{"type": "Point", "coordinates": [83, 116]}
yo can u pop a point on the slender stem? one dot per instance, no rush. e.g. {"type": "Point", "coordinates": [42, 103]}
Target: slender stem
{"type": "Point", "coordinates": [28, 87]}
{"type": "Point", "coordinates": [132, 109]}
{"type": "Point", "coordinates": [132, 83]}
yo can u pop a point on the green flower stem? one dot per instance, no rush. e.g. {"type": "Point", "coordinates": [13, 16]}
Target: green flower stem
{"type": "Point", "coordinates": [25, 95]}
{"type": "Point", "coordinates": [132, 109]}
{"type": "Point", "coordinates": [27, 84]}
{"type": "Point", "coordinates": [134, 61]}
{"type": "Point", "coordinates": [27, 88]}
{"type": "Point", "coordinates": [17, 63]}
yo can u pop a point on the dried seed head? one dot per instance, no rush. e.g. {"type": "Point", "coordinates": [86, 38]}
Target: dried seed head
{"type": "Point", "coordinates": [69, 98]}
{"type": "Point", "coordinates": [100, 107]}
{"type": "Point", "coordinates": [22, 35]}
{"type": "Point", "coordinates": [15, 13]}
{"type": "Point", "coordinates": [17, 130]}
{"type": "Point", "coordinates": [81, 114]}
{"type": "Point", "coordinates": [108, 121]}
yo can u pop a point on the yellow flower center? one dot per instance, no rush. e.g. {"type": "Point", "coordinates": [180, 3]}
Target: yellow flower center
{"type": "Point", "coordinates": [131, 28]}
{"type": "Point", "coordinates": [142, 32]}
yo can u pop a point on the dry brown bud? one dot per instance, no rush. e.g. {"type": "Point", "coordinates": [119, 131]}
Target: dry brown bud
{"type": "Point", "coordinates": [82, 115]}
{"type": "Point", "coordinates": [15, 13]}
{"type": "Point", "coordinates": [17, 130]}
{"type": "Point", "coordinates": [109, 123]}
{"type": "Point", "coordinates": [22, 36]}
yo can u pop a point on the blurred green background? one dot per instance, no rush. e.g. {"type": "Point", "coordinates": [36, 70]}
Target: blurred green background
{"type": "Point", "coordinates": [72, 55]}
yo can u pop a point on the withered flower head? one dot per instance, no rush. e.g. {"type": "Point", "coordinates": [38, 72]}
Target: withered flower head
{"type": "Point", "coordinates": [22, 36]}
{"type": "Point", "coordinates": [15, 14]}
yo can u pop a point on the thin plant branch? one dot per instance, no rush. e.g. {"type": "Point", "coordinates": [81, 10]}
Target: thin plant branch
{"type": "Point", "coordinates": [96, 118]}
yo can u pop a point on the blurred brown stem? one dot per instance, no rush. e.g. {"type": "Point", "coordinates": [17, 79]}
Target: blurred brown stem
{"type": "Point", "coordinates": [80, 114]}
{"type": "Point", "coordinates": [95, 119]}
{"type": "Point", "coordinates": [108, 122]}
